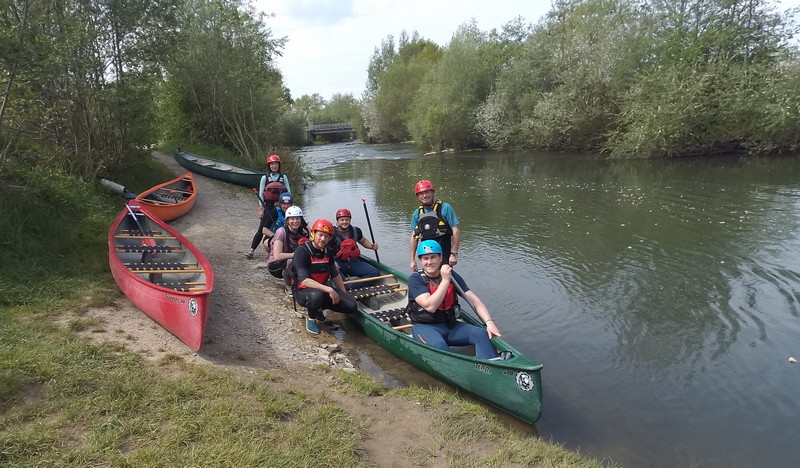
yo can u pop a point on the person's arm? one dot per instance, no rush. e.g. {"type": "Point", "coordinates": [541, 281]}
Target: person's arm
{"type": "Point", "coordinates": [368, 244]}
{"type": "Point", "coordinates": [286, 183]}
{"type": "Point", "coordinates": [431, 302]}
{"type": "Point", "coordinates": [272, 216]}
{"type": "Point", "coordinates": [309, 282]}
{"type": "Point", "coordinates": [483, 313]}
{"type": "Point", "coordinates": [261, 186]}
{"type": "Point", "coordinates": [454, 246]}
{"type": "Point", "coordinates": [412, 252]}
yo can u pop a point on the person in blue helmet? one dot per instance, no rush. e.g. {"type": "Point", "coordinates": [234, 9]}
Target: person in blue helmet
{"type": "Point", "coordinates": [433, 306]}
{"type": "Point", "coordinates": [271, 218]}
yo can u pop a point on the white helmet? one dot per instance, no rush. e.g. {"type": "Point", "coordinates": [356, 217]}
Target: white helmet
{"type": "Point", "coordinates": [293, 211]}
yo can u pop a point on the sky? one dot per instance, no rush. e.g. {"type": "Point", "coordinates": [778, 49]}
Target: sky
{"type": "Point", "coordinates": [330, 42]}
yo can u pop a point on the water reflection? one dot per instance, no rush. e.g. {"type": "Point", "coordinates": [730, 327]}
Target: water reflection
{"type": "Point", "coordinates": [653, 291]}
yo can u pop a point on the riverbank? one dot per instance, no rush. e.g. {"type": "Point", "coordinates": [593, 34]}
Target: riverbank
{"type": "Point", "coordinates": [259, 355]}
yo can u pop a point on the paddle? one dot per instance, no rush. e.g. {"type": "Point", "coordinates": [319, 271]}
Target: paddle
{"type": "Point", "coordinates": [371, 234]}
{"type": "Point", "coordinates": [463, 295]}
{"type": "Point", "coordinates": [117, 188]}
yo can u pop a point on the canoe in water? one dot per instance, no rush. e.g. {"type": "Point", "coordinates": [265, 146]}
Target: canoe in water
{"type": "Point", "coordinates": [512, 382]}
{"type": "Point", "coordinates": [172, 199]}
{"type": "Point", "coordinates": [161, 273]}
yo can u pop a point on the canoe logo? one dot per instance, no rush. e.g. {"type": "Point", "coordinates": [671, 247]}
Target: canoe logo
{"type": "Point", "coordinates": [193, 312]}
{"type": "Point", "coordinates": [524, 381]}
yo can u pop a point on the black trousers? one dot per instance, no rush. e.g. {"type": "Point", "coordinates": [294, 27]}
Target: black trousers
{"type": "Point", "coordinates": [315, 301]}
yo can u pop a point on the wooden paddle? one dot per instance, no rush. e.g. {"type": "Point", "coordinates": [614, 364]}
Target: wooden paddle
{"type": "Point", "coordinates": [362, 280]}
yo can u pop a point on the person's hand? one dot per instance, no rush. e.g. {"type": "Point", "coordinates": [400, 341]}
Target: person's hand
{"type": "Point", "coordinates": [492, 329]}
{"type": "Point", "coordinates": [413, 265]}
{"type": "Point", "coordinates": [334, 296]}
{"type": "Point", "coordinates": [260, 212]}
{"type": "Point", "coordinates": [453, 260]}
{"type": "Point", "coordinates": [446, 272]}
{"type": "Point", "coordinates": [374, 246]}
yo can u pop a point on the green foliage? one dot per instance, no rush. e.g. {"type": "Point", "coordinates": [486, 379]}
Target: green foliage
{"type": "Point", "coordinates": [222, 85]}
{"type": "Point", "coordinates": [442, 114]}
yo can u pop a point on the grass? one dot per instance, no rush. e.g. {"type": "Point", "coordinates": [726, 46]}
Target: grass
{"type": "Point", "coordinates": [67, 402]}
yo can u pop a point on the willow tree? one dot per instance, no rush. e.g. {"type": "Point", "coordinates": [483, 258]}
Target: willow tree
{"type": "Point", "coordinates": [722, 79]}
{"type": "Point", "coordinates": [223, 82]}
{"type": "Point", "coordinates": [443, 112]}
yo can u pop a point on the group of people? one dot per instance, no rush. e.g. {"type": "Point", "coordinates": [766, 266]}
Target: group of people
{"type": "Point", "coordinates": [314, 261]}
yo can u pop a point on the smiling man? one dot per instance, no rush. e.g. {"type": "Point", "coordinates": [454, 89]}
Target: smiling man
{"type": "Point", "coordinates": [436, 220]}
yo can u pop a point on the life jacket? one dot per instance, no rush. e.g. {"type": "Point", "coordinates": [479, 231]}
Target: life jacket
{"type": "Point", "coordinates": [280, 222]}
{"type": "Point", "coordinates": [431, 224]}
{"type": "Point", "coordinates": [346, 244]}
{"type": "Point", "coordinates": [273, 190]}
{"type": "Point", "coordinates": [447, 312]}
{"type": "Point", "coordinates": [293, 240]}
{"type": "Point", "coordinates": [320, 268]}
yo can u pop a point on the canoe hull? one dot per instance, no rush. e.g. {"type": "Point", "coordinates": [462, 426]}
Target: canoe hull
{"type": "Point", "coordinates": [216, 169]}
{"type": "Point", "coordinates": [512, 385]}
{"type": "Point", "coordinates": [183, 311]}
{"type": "Point", "coordinates": [172, 199]}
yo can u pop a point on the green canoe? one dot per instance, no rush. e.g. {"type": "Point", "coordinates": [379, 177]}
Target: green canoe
{"type": "Point", "coordinates": [216, 169]}
{"type": "Point", "coordinates": [512, 384]}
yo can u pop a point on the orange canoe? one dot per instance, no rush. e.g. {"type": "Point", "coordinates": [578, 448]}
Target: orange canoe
{"type": "Point", "coordinates": [172, 199]}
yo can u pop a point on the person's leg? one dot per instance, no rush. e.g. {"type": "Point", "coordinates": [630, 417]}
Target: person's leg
{"type": "Point", "coordinates": [276, 269]}
{"type": "Point", "coordinates": [432, 334]}
{"type": "Point", "coordinates": [362, 269]}
{"type": "Point", "coordinates": [287, 280]}
{"type": "Point", "coordinates": [259, 235]}
{"type": "Point", "coordinates": [347, 304]}
{"type": "Point", "coordinates": [463, 334]}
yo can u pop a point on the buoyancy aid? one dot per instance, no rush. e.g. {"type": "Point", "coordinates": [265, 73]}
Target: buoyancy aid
{"type": "Point", "coordinates": [273, 189]}
{"type": "Point", "coordinates": [431, 224]}
{"type": "Point", "coordinates": [346, 243]}
{"type": "Point", "coordinates": [293, 239]}
{"type": "Point", "coordinates": [320, 268]}
{"type": "Point", "coordinates": [447, 312]}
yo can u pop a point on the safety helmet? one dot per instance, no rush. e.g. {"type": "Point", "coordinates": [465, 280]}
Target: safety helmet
{"type": "Point", "coordinates": [322, 225]}
{"type": "Point", "coordinates": [294, 211]}
{"type": "Point", "coordinates": [423, 186]}
{"type": "Point", "coordinates": [273, 158]}
{"type": "Point", "coordinates": [343, 212]}
{"type": "Point", "coordinates": [286, 197]}
{"type": "Point", "coordinates": [428, 247]}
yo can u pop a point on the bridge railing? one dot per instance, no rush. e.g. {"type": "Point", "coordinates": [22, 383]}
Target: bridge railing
{"type": "Point", "coordinates": [316, 128]}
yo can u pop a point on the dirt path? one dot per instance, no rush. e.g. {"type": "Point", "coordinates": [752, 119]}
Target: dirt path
{"type": "Point", "coordinates": [252, 324]}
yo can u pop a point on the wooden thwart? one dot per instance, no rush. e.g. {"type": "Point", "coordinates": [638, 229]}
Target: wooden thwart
{"type": "Point", "coordinates": [134, 236]}
{"type": "Point", "coordinates": [187, 270]}
{"type": "Point", "coordinates": [363, 280]}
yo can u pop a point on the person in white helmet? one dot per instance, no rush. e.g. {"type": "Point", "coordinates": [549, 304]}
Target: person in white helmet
{"type": "Point", "coordinates": [285, 242]}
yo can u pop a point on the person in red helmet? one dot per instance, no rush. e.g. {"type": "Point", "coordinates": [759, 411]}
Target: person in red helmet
{"type": "Point", "coordinates": [313, 270]}
{"type": "Point", "coordinates": [434, 219]}
{"type": "Point", "coordinates": [345, 248]}
{"type": "Point", "coordinates": [272, 186]}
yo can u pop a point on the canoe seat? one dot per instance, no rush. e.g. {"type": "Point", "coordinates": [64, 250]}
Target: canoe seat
{"type": "Point", "coordinates": [372, 291]}
{"type": "Point", "coordinates": [391, 315]}
{"type": "Point", "coordinates": [153, 249]}
{"type": "Point", "coordinates": [163, 267]}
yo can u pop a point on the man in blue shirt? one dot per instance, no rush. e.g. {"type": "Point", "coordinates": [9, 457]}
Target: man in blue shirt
{"type": "Point", "coordinates": [434, 219]}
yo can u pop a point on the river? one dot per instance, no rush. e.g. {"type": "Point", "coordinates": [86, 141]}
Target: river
{"type": "Point", "coordinates": [662, 297]}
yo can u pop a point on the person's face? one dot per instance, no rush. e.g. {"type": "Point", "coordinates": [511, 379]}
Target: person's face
{"type": "Point", "coordinates": [274, 166]}
{"type": "Point", "coordinates": [293, 222]}
{"type": "Point", "coordinates": [431, 263]}
{"type": "Point", "coordinates": [344, 222]}
{"type": "Point", "coordinates": [321, 239]}
{"type": "Point", "coordinates": [426, 197]}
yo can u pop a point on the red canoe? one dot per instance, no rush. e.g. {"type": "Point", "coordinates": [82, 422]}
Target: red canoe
{"type": "Point", "coordinates": [161, 273]}
{"type": "Point", "coordinates": [172, 199]}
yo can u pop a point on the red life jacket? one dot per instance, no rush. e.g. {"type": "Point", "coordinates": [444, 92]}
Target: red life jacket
{"type": "Point", "coordinates": [450, 297]}
{"type": "Point", "coordinates": [348, 249]}
{"type": "Point", "coordinates": [320, 268]}
{"type": "Point", "coordinates": [273, 190]}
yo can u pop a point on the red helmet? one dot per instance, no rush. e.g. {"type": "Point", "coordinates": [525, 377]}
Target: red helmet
{"type": "Point", "coordinates": [422, 186]}
{"type": "Point", "coordinates": [322, 225]}
{"type": "Point", "coordinates": [273, 158]}
{"type": "Point", "coordinates": [342, 213]}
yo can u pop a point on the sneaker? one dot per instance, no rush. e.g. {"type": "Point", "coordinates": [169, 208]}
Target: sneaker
{"type": "Point", "coordinates": [311, 326]}
{"type": "Point", "coordinates": [322, 319]}
{"type": "Point", "coordinates": [288, 291]}
{"type": "Point", "coordinates": [250, 254]}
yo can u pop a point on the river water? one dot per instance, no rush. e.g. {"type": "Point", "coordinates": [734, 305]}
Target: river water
{"type": "Point", "coordinates": [662, 297]}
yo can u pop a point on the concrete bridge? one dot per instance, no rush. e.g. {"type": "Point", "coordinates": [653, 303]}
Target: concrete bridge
{"type": "Point", "coordinates": [327, 129]}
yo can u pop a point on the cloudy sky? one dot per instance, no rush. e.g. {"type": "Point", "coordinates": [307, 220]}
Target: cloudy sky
{"type": "Point", "coordinates": [330, 42]}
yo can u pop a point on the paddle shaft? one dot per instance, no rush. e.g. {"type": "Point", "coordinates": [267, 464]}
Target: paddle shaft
{"type": "Point", "coordinates": [369, 225]}
{"type": "Point", "coordinates": [464, 295]}
{"type": "Point", "coordinates": [139, 225]}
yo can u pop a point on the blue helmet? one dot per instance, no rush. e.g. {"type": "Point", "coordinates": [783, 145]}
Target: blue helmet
{"type": "Point", "coordinates": [428, 247]}
{"type": "Point", "coordinates": [286, 197]}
